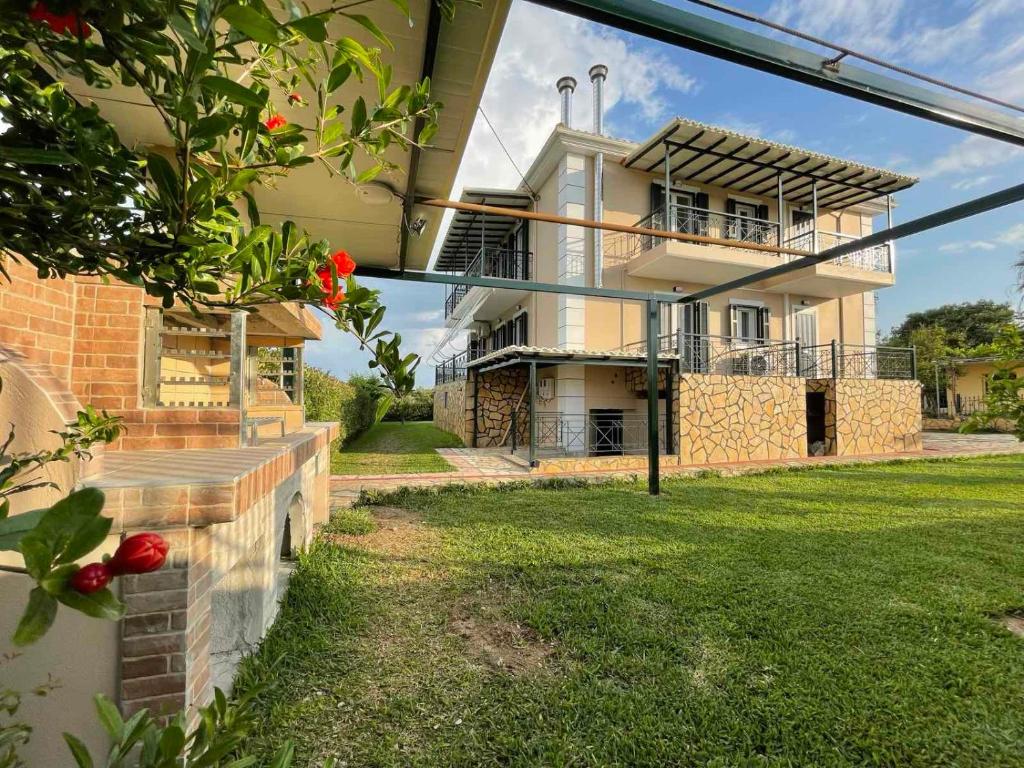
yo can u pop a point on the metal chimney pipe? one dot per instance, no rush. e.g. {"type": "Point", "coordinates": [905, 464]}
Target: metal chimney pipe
{"type": "Point", "coordinates": [598, 73]}
{"type": "Point", "coordinates": [566, 86]}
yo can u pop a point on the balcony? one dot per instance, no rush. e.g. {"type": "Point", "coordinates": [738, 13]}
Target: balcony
{"type": "Point", "coordinates": [465, 303]}
{"type": "Point", "coordinates": [729, 356]}
{"type": "Point", "coordinates": [660, 258]}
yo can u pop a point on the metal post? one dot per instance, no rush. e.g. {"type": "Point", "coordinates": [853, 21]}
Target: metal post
{"type": "Point", "coordinates": [913, 362]}
{"type": "Point", "coordinates": [938, 399]}
{"type": "Point", "coordinates": [669, 420]}
{"type": "Point", "coordinates": [782, 218]}
{"type": "Point", "coordinates": [515, 430]}
{"type": "Point", "coordinates": [814, 216]}
{"type": "Point", "coordinates": [835, 361]}
{"type": "Point", "coordinates": [797, 351]}
{"type": "Point", "coordinates": [653, 469]}
{"type": "Point", "coordinates": [237, 384]}
{"type": "Point", "coordinates": [892, 243]}
{"type": "Point", "coordinates": [533, 414]}
{"type": "Point", "coordinates": [668, 189]}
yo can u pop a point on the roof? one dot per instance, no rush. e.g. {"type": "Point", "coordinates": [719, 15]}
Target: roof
{"type": "Point", "coordinates": [708, 154]}
{"type": "Point", "coordinates": [469, 231]}
{"type": "Point", "coordinates": [554, 356]}
{"type": "Point", "coordinates": [328, 205]}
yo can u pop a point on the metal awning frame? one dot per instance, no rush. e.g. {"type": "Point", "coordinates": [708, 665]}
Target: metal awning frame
{"type": "Point", "coordinates": [698, 33]}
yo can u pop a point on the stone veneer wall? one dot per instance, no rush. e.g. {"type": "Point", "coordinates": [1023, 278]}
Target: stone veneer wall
{"type": "Point", "coordinates": [499, 392]}
{"type": "Point", "coordinates": [453, 409]}
{"type": "Point", "coordinates": [827, 386]}
{"type": "Point", "coordinates": [876, 416]}
{"type": "Point", "coordinates": [740, 418]}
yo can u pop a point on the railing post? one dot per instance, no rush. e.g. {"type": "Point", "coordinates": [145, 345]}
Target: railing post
{"type": "Point", "coordinates": [515, 430]}
{"type": "Point", "coordinates": [653, 468]}
{"type": "Point", "coordinates": [669, 420]}
{"type": "Point", "coordinates": [476, 408]}
{"type": "Point", "coordinates": [913, 362]}
{"type": "Point", "coordinates": [238, 386]}
{"type": "Point", "coordinates": [796, 350]}
{"type": "Point", "coordinates": [835, 360]}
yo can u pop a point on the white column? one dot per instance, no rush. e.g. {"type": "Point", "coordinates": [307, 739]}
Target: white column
{"type": "Point", "coordinates": [572, 270]}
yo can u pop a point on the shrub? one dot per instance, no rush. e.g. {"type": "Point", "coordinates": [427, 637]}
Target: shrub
{"type": "Point", "coordinates": [360, 411]}
{"type": "Point", "coordinates": [325, 397]}
{"type": "Point", "coordinates": [418, 405]}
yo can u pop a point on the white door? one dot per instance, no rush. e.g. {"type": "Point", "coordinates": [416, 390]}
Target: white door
{"type": "Point", "coordinates": [805, 331]}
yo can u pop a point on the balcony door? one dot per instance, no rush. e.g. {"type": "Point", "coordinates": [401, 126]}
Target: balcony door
{"type": "Point", "coordinates": [805, 333]}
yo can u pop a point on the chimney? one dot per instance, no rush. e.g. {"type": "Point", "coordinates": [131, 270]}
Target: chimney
{"type": "Point", "coordinates": [598, 73]}
{"type": "Point", "coordinates": [566, 86]}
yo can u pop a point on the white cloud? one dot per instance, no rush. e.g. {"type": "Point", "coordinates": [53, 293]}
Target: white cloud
{"type": "Point", "coordinates": [1013, 236]}
{"type": "Point", "coordinates": [428, 316]}
{"type": "Point", "coordinates": [968, 245]}
{"type": "Point", "coordinates": [968, 155]}
{"type": "Point", "coordinates": [972, 182]}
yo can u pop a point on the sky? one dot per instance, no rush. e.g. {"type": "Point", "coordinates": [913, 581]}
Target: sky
{"type": "Point", "coordinates": [975, 43]}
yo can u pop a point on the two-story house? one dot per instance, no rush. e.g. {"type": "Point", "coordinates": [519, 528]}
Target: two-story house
{"type": "Point", "coordinates": [784, 368]}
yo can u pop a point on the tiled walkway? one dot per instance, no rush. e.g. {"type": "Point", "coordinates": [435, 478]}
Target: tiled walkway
{"type": "Point", "coordinates": [495, 465]}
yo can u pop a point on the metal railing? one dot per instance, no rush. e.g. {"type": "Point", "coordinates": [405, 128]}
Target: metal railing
{"type": "Point", "coordinates": [856, 361]}
{"type": "Point", "coordinates": [876, 258]}
{"type": "Point", "coordinates": [452, 369]}
{"type": "Point", "coordinates": [694, 221]}
{"type": "Point", "coordinates": [703, 353]}
{"type": "Point", "coordinates": [506, 263]}
{"type": "Point", "coordinates": [594, 434]}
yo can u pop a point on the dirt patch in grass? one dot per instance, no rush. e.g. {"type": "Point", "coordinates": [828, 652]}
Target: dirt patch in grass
{"type": "Point", "coordinates": [503, 645]}
{"type": "Point", "coordinates": [395, 531]}
{"type": "Point", "coordinates": [1013, 621]}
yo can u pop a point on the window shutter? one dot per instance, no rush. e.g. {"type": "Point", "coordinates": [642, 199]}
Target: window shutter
{"type": "Point", "coordinates": [701, 200]}
{"type": "Point", "coordinates": [657, 197]}
{"type": "Point", "coordinates": [763, 323]}
{"type": "Point", "coordinates": [729, 230]}
{"type": "Point", "coordinates": [762, 212]}
{"type": "Point", "coordinates": [702, 317]}
{"type": "Point", "coordinates": [730, 206]}
{"type": "Point", "coordinates": [734, 329]}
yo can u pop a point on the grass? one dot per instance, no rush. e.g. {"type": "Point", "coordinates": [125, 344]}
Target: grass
{"type": "Point", "coordinates": [833, 617]}
{"type": "Point", "coordinates": [392, 448]}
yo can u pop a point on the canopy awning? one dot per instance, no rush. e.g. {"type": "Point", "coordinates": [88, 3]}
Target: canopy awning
{"type": "Point", "coordinates": [469, 231]}
{"type": "Point", "coordinates": [707, 154]}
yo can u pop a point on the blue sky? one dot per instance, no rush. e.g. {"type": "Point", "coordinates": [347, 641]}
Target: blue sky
{"type": "Point", "coordinates": [976, 43]}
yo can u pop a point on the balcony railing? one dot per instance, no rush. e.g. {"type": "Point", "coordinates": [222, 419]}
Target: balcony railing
{"type": "Point", "coordinates": [452, 369]}
{"type": "Point", "coordinates": [593, 434]}
{"type": "Point", "coordinates": [693, 221]}
{"type": "Point", "coordinates": [877, 258]}
{"type": "Point", "coordinates": [701, 353]}
{"type": "Point", "coordinates": [505, 263]}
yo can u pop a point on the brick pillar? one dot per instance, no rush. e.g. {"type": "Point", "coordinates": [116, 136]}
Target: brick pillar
{"type": "Point", "coordinates": [165, 646]}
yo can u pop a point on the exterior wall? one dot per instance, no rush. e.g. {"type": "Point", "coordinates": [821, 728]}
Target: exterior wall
{"type": "Point", "coordinates": [37, 318]}
{"type": "Point", "coordinates": [500, 392]}
{"type": "Point", "coordinates": [741, 418]}
{"type": "Point", "coordinates": [453, 409]}
{"type": "Point", "coordinates": [877, 416]}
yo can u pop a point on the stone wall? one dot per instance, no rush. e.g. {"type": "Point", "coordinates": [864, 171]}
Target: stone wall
{"type": "Point", "coordinates": [876, 416]}
{"type": "Point", "coordinates": [740, 418]}
{"type": "Point", "coordinates": [636, 380]}
{"type": "Point", "coordinates": [827, 386]}
{"type": "Point", "coordinates": [453, 410]}
{"type": "Point", "coordinates": [500, 392]}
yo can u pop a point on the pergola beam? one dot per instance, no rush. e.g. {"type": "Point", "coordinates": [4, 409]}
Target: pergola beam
{"type": "Point", "coordinates": [724, 41]}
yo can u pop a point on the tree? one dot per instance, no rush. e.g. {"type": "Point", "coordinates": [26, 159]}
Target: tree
{"type": "Point", "coordinates": [1004, 400]}
{"type": "Point", "coordinates": [967, 325]}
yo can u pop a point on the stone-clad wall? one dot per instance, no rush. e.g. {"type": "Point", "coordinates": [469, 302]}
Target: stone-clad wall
{"type": "Point", "coordinates": [827, 386]}
{"type": "Point", "coordinates": [877, 416]}
{"type": "Point", "coordinates": [453, 410]}
{"type": "Point", "coordinates": [500, 392]}
{"type": "Point", "coordinates": [741, 418]}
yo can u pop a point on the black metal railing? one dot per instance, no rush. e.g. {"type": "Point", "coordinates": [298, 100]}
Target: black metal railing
{"type": "Point", "coordinates": [452, 369]}
{"type": "Point", "coordinates": [856, 361]}
{"type": "Point", "coordinates": [505, 263]}
{"type": "Point", "coordinates": [594, 434]}
{"type": "Point", "coordinates": [703, 353]}
{"type": "Point", "coordinates": [692, 221]}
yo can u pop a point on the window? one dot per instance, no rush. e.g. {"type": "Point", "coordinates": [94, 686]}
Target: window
{"type": "Point", "coordinates": [511, 333]}
{"type": "Point", "coordinates": [749, 323]}
{"type": "Point", "coordinates": [276, 379]}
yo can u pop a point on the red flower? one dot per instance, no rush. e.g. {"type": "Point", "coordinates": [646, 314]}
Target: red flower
{"type": "Point", "coordinates": [141, 553]}
{"type": "Point", "coordinates": [90, 578]}
{"type": "Point", "coordinates": [60, 23]}
{"type": "Point", "coordinates": [275, 121]}
{"type": "Point", "coordinates": [343, 263]}
{"type": "Point", "coordinates": [330, 301]}
{"type": "Point", "coordinates": [295, 98]}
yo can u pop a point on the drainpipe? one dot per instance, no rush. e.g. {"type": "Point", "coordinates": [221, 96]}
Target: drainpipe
{"type": "Point", "coordinates": [566, 86]}
{"type": "Point", "coordinates": [598, 73]}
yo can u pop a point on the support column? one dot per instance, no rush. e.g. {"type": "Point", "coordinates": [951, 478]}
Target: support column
{"type": "Point", "coordinates": [476, 407]}
{"type": "Point", "coordinates": [814, 214]}
{"type": "Point", "coordinates": [237, 387]}
{"type": "Point", "coordinates": [668, 190]}
{"type": "Point", "coordinates": [653, 467]}
{"type": "Point", "coordinates": [533, 414]}
{"type": "Point", "coordinates": [781, 214]}
{"type": "Point", "coordinates": [670, 385]}
{"type": "Point", "coordinates": [572, 270]}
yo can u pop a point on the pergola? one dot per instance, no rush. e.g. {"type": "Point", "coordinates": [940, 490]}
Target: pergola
{"type": "Point", "coordinates": [840, 186]}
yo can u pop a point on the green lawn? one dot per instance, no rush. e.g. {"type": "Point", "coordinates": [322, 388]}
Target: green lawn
{"type": "Point", "coordinates": [833, 617]}
{"type": "Point", "coordinates": [391, 448]}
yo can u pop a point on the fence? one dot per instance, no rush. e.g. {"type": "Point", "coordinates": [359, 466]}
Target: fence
{"type": "Point", "coordinates": [594, 434]}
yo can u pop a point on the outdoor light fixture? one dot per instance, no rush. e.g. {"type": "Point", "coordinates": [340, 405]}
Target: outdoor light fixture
{"type": "Point", "coordinates": [375, 193]}
{"type": "Point", "coordinates": [418, 225]}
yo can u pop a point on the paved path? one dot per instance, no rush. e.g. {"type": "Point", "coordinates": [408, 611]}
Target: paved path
{"type": "Point", "coordinates": [483, 465]}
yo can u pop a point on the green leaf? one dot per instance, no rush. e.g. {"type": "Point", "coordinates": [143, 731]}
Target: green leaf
{"type": "Point", "coordinates": [366, 23]}
{"type": "Point", "coordinates": [338, 77]}
{"type": "Point", "coordinates": [99, 605]}
{"type": "Point", "coordinates": [383, 405]}
{"type": "Point", "coordinates": [56, 581]}
{"type": "Point", "coordinates": [358, 115]}
{"type": "Point", "coordinates": [110, 718]}
{"type": "Point", "coordinates": [232, 91]}
{"type": "Point", "coordinates": [37, 618]}
{"type": "Point", "coordinates": [165, 177]}
{"type": "Point", "coordinates": [78, 751]}
{"type": "Point", "coordinates": [241, 180]}
{"type": "Point", "coordinates": [172, 742]}
{"type": "Point", "coordinates": [13, 528]}
{"type": "Point", "coordinates": [88, 536]}
{"type": "Point", "coordinates": [283, 757]}
{"type": "Point", "coordinates": [210, 127]}
{"type": "Point", "coordinates": [33, 156]}
{"type": "Point", "coordinates": [252, 24]}
{"type": "Point", "coordinates": [312, 27]}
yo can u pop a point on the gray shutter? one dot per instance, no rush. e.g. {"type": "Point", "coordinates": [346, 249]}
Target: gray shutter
{"type": "Point", "coordinates": [764, 315]}
{"type": "Point", "coordinates": [729, 229]}
{"type": "Point", "coordinates": [734, 331]}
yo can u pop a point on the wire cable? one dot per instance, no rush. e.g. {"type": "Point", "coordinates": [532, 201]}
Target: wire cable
{"type": "Point", "coordinates": [843, 52]}
{"type": "Point", "coordinates": [507, 154]}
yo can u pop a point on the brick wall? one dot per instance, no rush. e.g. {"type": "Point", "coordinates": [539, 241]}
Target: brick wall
{"type": "Point", "coordinates": [37, 318]}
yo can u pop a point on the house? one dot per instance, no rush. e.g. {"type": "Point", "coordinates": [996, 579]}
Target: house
{"type": "Point", "coordinates": [781, 369]}
{"type": "Point", "coordinates": [216, 456]}
{"type": "Point", "coordinates": [968, 380]}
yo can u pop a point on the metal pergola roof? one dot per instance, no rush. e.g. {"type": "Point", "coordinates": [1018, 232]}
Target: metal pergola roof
{"type": "Point", "coordinates": [544, 356]}
{"type": "Point", "coordinates": [469, 231]}
{"type": "Point", "coordinates": [708, 154]}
